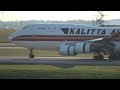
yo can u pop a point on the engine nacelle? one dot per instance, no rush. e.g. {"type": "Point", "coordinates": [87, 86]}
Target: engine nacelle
{"type": "Point", "coordinates": [83, 47]}
{"type": "Point", "coordinates": [67, 50]}
{"type": "Point", "coordinates": [72, 50]}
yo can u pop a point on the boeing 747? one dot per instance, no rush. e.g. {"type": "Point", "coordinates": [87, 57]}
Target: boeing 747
{"type": "Point", "coordinates": [69, 39]}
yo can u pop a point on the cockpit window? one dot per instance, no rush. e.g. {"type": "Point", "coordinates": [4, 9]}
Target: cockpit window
{"type": "Point", "coordinates": [24, 27]}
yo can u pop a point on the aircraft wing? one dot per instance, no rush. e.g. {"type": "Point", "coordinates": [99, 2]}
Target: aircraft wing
{"type": "Point", "coordinates": [105, 44]}
{"type": "Point", "coordinates": [101, 40]}
{"type": "Point", "coordinates": [105, 40]}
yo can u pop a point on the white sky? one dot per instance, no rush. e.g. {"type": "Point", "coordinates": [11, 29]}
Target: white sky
{"type": "Point", "coordinates": [56, 15]}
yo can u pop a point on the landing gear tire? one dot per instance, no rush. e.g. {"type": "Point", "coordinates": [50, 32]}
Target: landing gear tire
{"type": "Point", "coordinates": [31, 55]}
{"type": "Point", "coordinates": [113, 57]}
{"type": "Point", "coordinates": [100, 57]}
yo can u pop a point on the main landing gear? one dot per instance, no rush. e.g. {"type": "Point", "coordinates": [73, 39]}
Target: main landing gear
{"type": "Point", "coordinates": [31, 54]}
{"type": "Point", "coordinates": [114, 57]}
{"type": "Point", "coordinates": [110, 57]}
{"type": "Point", "coordinates": [98, 57]}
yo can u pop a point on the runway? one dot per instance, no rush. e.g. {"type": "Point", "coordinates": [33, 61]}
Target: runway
{"type": "Point", "coordinates": [57, 61]}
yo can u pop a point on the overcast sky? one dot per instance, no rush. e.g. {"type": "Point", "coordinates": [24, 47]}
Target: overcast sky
{"type": "Point", "coordinates": [56, 15]}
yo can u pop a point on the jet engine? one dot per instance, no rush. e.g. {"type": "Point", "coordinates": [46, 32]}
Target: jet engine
{"type": "Point", "coordinates": [74, 49]}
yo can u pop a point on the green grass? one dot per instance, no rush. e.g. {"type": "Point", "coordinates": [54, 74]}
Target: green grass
{"type": "Point", "coordinates": [4, 34]}
{"type": "Point", "coordinates": [25, 52]}
{"type": "Point", "coordinates": [7, 45]}
{"type": "Point", "coordinates": [53, 72]}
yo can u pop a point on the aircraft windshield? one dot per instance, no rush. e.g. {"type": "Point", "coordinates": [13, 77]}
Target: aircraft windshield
{"type": "Point", "coordinates": [24, 27]}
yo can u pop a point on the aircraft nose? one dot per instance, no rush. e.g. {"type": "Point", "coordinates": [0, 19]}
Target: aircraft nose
{"type": "Point", "coordinates": [10, 37]}
{"type": "Point", "coordinates": [13, 36]}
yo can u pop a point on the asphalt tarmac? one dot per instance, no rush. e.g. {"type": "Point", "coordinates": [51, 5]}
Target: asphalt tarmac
{"type": "Point", "coordinates": [57, 61]}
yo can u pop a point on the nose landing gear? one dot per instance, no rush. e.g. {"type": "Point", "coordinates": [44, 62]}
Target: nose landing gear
{"type": "Point", "coordinates": [31, 54]}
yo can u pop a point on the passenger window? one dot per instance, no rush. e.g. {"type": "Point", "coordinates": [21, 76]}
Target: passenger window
{"type": "Point", "coordinates": [41, 28]}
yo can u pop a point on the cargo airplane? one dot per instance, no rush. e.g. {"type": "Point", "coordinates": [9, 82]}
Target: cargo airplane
{"type": "Point", "coordinates": [69, 39]}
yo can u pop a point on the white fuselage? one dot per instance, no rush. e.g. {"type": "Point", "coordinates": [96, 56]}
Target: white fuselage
{"type": "Point", "coordinates": [51, 36]}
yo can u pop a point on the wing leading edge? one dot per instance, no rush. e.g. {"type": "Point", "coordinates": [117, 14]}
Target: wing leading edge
{"type": "Point", "coordinates": [105, 40]}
